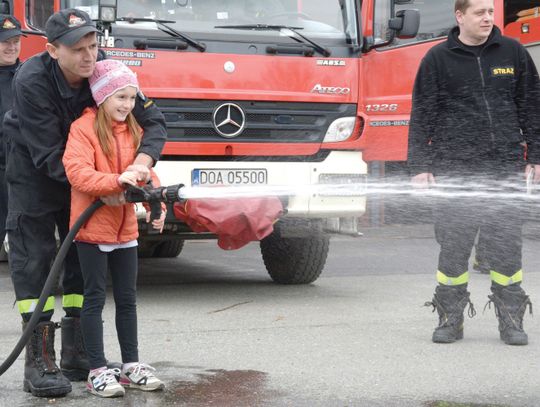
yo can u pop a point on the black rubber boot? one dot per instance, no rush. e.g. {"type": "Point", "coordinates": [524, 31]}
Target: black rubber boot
{"type": "Point", "coordinates": [42, 377]}
{"type": "Point", "coordinates": [74, 362]}
{"type": "Point", "coordinates": [450, 302]}
{"type": "Point", "coordinates": [510, 305]}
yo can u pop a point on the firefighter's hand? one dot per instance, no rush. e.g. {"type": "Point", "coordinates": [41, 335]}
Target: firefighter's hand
{"type": "Point", "coordinates": [423, 181]}
{"type": "Point", "coordinates": [129, 177]}
{"type": "Point", "coordinates": [142, 171]}
{"type": "Point", "coordinates": [536, 169]}
{"type": "Point", "coordinates": [114, 200]}
{"type": "Point", "coordinates": [157, 223]}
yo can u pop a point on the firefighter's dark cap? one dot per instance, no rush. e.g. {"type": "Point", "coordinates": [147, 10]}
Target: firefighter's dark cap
{"type": "Point", "coordinates": [68, 26]}
{"type": "Point", "coordinates": [9, 27]}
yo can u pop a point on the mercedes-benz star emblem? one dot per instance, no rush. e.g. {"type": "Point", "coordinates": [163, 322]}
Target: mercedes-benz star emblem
{"type": "Point", "coordinates": [229, 120]}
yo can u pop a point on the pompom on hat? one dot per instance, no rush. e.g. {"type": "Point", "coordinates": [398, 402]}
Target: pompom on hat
{"type": "Point", "coordinates": [109, 76]}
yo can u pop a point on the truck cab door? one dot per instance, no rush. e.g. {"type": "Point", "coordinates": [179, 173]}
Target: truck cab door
{"type": "Point", "coordinates": [389, 67]}
{"type": "Point", "coordinates": [522, 22]}
{"type": "Point", "coordinates": [33, 15]}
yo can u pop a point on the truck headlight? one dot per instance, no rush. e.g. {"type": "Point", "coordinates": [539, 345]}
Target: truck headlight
{"type": "Point", "coordinates": [340, 129]}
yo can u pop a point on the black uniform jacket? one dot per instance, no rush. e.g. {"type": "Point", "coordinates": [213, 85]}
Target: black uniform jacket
{"type": "Point", "coordinates": [472, 113]}
{"type": "Point", "coordinates": [6, 77]}
{"type": "Point", "coordinates": [37, 128]}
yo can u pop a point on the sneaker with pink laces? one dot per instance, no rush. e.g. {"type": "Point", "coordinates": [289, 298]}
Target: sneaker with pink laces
{"type": "Point", "coordinates": [140, 377]}
{"type": "Point", "coordinates": [103, 383]}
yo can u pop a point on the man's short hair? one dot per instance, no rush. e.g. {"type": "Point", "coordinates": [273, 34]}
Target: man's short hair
{"type": "Point", "coordinates": [462, 5]}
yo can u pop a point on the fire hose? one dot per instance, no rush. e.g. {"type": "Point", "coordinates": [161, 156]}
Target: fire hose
{"type": "Point", "coordinates": [147, 194]}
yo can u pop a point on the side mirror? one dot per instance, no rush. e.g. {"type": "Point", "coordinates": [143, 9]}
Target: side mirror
{"type": "Point", "coordinates": [406, 23]}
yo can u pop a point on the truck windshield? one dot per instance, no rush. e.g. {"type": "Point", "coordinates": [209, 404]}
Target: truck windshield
{"type": "Point", "coordinates": [326, 21]}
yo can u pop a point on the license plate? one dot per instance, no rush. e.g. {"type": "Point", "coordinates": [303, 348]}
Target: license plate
{"type": "Point", "coordinates": [222, 176]}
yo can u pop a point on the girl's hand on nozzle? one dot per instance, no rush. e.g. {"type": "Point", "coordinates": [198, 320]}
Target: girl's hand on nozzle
{"type": "Point", "coordinates": [157, 223]}
{"type": "Point", "coordinates": [128, 177]}
{"type": "Point", "coordinates": [423, 181]}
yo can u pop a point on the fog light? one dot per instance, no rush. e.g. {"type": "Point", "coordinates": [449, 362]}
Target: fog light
{"type": "Point", "coordinates": [340, 129]}
{"type": "Point", "coordinates": [525, 28]}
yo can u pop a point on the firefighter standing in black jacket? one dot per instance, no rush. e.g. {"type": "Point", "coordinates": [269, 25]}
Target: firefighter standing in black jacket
{"type": "Point", "coordinates": [10, 48]}
{"type": "Point", "coordinates": [476, 98]}
{"type": "Point", "coordinates": [50, 92]}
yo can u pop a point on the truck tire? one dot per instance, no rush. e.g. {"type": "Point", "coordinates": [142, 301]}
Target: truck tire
{"type": "Point", "coordinates": [169, 249]}
{"type": "Point", "coordinates": [295, 260]}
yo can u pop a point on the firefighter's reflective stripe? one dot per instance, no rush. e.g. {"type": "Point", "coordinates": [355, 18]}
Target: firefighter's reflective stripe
{"type": "Point", "coordinates": [459, 280]}
{"type": "Point", "coordinates": [503, 280]}
{"type": "Point", "coordinates": [72, 301]}
{"type": "Point", "coordinates": [28, 306]}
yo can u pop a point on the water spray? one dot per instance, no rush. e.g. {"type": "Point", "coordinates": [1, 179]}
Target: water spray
{"type": "Point", "coordinates": [498, 190]}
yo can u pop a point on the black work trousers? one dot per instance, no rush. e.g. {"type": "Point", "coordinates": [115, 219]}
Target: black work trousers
{"type": "Point", "coordinates": [3, 204]}
{"type": "Point", "coordinates": [458, 220]}
{"type": "Point", "coordinates": [32, 244]}
{"type": "Point", "coordinates": [123, 267]}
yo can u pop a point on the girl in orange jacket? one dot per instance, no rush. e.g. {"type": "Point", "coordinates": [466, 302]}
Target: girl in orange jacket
{"type": "Point", "coordinates": [102, 143]}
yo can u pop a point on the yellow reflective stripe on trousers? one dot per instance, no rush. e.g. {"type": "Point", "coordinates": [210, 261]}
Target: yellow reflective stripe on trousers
{"type": "Point", "coordinates": [72, 301]}
{"type": "Point", "coordinates": [503, 280]}
{"type": "Point", "coordinates": [28, 306]}
{"type": "Point", "coordinates": [459, 280]}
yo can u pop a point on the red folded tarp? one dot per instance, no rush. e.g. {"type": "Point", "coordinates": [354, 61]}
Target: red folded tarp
{"type": "Point", "coordinates": [235, 221]}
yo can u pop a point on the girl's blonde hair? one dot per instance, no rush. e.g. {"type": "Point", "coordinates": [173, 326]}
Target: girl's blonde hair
{"type": "Point", "coordinates": [103, 129]}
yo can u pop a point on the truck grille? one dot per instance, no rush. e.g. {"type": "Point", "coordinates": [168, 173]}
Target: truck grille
{"type": "Point", "coordinates": [192, 120]}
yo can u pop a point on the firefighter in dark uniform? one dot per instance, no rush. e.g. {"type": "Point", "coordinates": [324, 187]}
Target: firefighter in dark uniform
{"type": "Point", "coordinates": [476, 97]}
{"type": "Point", "coordinates": [51, 91]}
{"type": "Point", "coordinates": [10, 48]}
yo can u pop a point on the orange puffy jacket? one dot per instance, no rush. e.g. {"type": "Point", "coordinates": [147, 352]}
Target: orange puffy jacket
{"type": "Point", "coordinates": [93, 175]}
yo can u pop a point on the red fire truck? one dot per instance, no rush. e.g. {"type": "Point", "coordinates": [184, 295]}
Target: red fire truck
{"type": "Point", "coordinates": [522, 22]}
{"type": "Point", "coordinates": [288, 93]}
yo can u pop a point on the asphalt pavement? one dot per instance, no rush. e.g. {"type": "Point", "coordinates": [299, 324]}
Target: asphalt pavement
{"type": "Point", "coordinates": [220, 333]}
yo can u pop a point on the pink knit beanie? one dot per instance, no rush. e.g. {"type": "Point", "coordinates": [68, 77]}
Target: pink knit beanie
{"type": "Point", "coordinates": [109, 76]}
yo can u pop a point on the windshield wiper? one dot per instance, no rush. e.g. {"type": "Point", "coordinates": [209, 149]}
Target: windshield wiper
{"type": "Point", "coordinates": [162, 25]}
{"type": "Point", "coordinates": [294, 34]}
